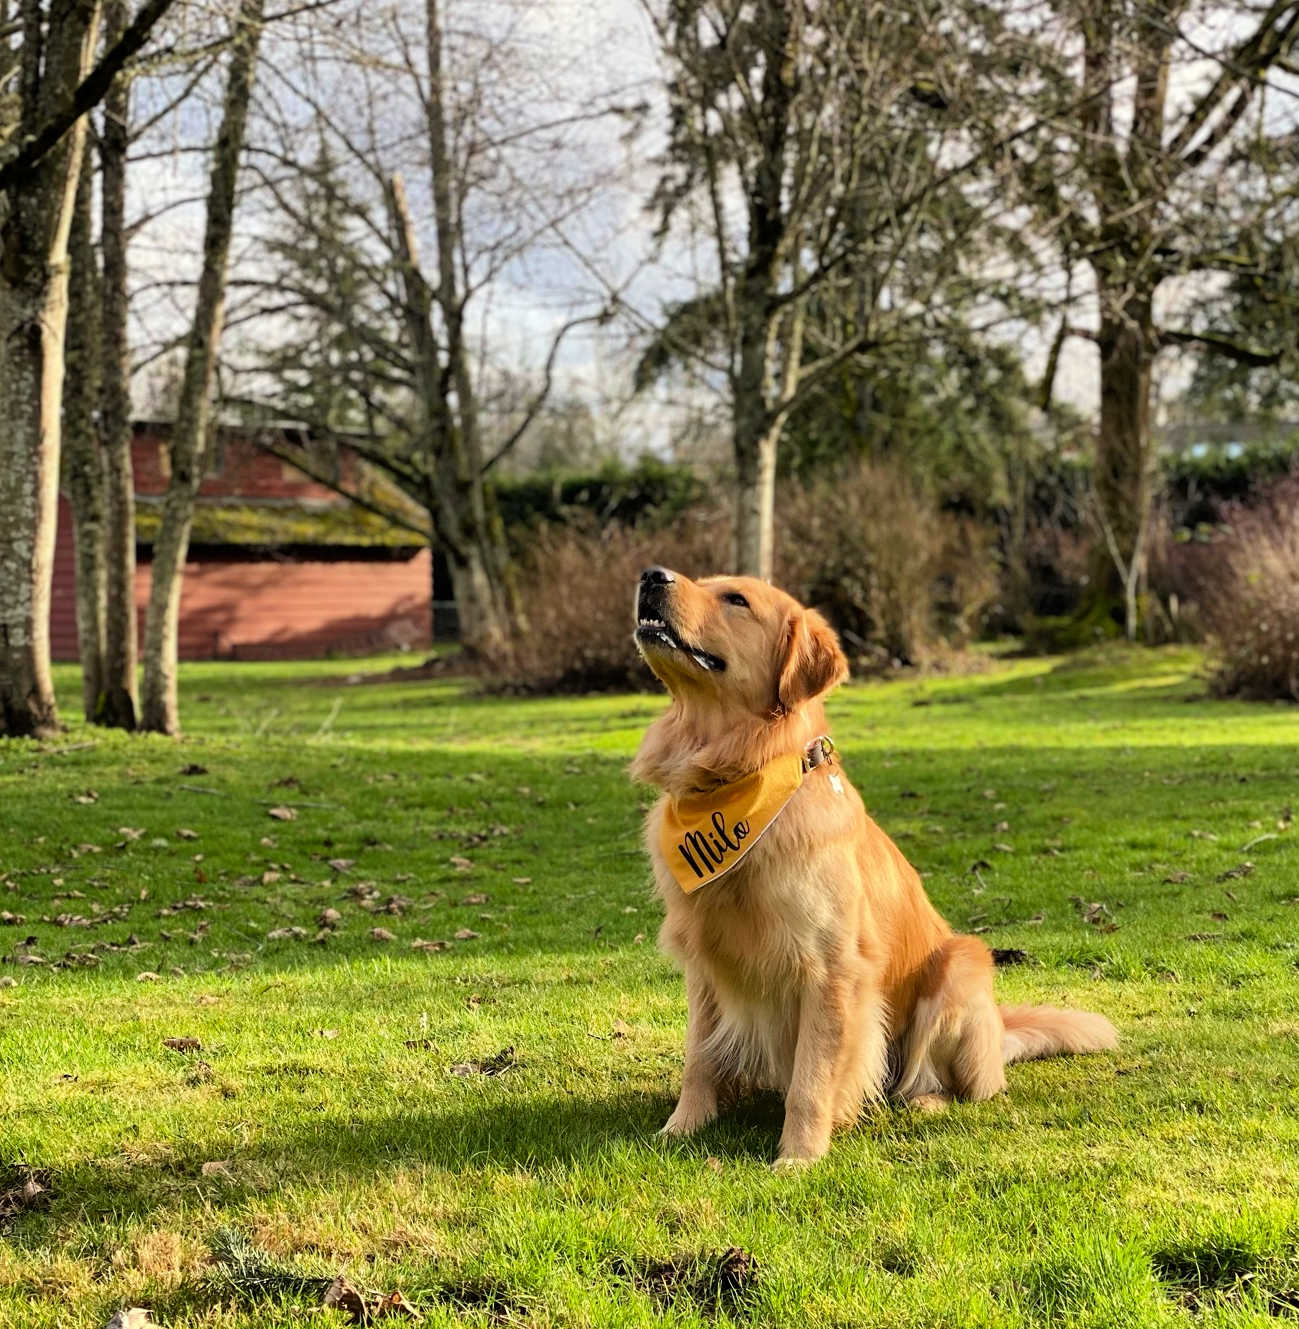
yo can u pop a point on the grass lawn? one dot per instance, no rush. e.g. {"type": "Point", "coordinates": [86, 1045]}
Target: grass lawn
{"type": "Point", "coordinates": [1132, 838]}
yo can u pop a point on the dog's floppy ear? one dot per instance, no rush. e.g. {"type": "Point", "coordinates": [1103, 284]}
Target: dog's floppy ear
{"type": "Point", "coordinates": [813, 661]}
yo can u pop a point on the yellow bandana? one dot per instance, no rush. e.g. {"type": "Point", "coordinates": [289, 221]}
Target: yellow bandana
{"type": "Point", "coordinates": [703, 836]}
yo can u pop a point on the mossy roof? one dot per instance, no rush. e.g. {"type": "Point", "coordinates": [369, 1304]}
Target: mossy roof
{"type": "Point", "coordinates": [278, 523]}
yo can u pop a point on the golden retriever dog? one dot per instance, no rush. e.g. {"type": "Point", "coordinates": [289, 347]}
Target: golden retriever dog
{"type": "Point", "coordinates": [814, 962]}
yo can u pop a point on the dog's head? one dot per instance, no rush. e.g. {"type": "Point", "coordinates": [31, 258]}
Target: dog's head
{"type": "Point", "coordinates": [736, 641]}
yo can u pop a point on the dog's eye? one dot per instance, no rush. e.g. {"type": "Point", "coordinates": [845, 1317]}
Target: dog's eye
{"type": "Point", "coordinates": [735, 598]}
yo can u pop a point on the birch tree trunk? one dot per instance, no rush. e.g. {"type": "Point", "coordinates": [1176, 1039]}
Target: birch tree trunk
{"type": "Point", "coordinates": [755, 442]}
{"type": "Point", "coordinates": [116, 704]}
{"type": "Point", "coordinates": [159, 711]}
{"type": "Point", "coordinates": [35, 219]}
{"type": "Point", "coordinates": [83, 463]}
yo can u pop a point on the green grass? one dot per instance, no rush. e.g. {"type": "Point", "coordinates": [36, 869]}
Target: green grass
{"type": "Point", "coordinates": [1155, 1186]}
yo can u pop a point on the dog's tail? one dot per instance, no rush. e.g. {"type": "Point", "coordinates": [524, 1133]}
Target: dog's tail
{"type": "Point", "coordinates": [1045, 1031]}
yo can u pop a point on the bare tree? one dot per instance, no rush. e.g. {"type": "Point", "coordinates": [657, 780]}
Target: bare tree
{"type": "Point", "coordinates": [51, 62]}
{"type": "Point", "coordinates": [116, 704]}
{"type": "Point", "coordinates": [415, 205]}
{"type": "Point", "coordinates": [1159, 181]}
{"type": "Point", "coordinates": [812, 148]}
{"type": "Point", "coordinates": [159, 709]}
{"type": "Point", "coordinates": [51, 66]}
{"type": "Point", "coordinates": [83, 461]}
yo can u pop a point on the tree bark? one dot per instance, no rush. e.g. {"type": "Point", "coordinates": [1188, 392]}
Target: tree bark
{"type": "Point", "coordinates": [159, 703]}
{"type": "Point", "coordinates": [755, 427]}
{"type": "Point", "coordinates": [116, 704]}
{"type": "Point", "coordinates": [449, 440]}
{"type": "Point", "coordinates": [1124, 457]}
{"type": "Point", "coordinates": [83, 462]}
{"type": "Point", "coordinates": [35, 218]}
{"type": "Point", "coordinates": [473, 558]}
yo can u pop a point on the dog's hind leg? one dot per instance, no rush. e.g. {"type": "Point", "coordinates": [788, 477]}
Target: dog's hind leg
{"type": "Point", "coordinates": [697, 1105]}
{"type": "Point", "coordinates": [954, 1043]}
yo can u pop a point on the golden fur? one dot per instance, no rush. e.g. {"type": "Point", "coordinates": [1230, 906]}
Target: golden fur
{"type": "Point", "coordinates": [817, 966]}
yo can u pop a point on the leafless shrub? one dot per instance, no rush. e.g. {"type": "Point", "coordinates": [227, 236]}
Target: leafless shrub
{"type": "Point", "coordinates": [1243, 580]}
{"type": "Point", "coordinates": [577, 586]}
{"type": "Point", "coordinates": [902, 581]}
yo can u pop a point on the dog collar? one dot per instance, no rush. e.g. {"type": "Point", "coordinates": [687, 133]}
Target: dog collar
{"type": "Point", "coordinates": [703, 836]}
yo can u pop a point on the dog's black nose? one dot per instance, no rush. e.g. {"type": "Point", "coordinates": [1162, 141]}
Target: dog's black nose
{"type": "Point", "coordinates": [657, 576]}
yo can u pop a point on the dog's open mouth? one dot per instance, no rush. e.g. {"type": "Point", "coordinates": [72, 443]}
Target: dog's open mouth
{"type": "Point", "coordinates": [654, 632]}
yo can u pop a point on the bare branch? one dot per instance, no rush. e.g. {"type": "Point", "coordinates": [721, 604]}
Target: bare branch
{"type": "Point", "coordinates": [1253, 356]}
{"type": "Point", "coordinates": [88, 94]}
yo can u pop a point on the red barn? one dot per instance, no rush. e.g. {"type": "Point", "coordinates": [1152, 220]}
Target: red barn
{"type": "Point", "coordinates": [280, 567]}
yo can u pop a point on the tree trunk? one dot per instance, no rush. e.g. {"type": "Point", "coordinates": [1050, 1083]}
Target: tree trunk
{"type": "Point", "coordinates": [1124, 458]}
{"type": "Point", "coordinates": [474, 555]}
{"type": "Point", "coordinates": [477, 606]}
{"type": "Point", "coordinates": [116, 705]}
{"type": "Point", "coordinates": [35, 217]}
{"type": "Point", "coordinates": [454, 494]}
{"type": "Point", "coordinates": [755, 500]}
{"type": "Point", "coordinates": [754, 435]}
{"type": "Point", "coordinates": [159, 706]}
{"type": "Point", "coordinates": [83, 463]}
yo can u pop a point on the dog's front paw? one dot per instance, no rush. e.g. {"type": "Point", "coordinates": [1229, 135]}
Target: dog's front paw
{"type": "Point", "coordinates": [792, 1163]}
{"type": "Point", "coordinates": [687, 1119]}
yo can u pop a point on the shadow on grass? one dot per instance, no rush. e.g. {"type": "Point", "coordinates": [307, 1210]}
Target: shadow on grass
{"type": "Point", "coordinates": [532, 1135]}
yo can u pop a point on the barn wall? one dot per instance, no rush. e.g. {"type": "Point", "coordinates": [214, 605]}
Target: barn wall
{"type": "Point", "coordinates": [269, 608]}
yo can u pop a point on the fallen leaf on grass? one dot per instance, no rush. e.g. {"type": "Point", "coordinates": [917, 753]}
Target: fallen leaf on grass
{"type": "Point", "coordinates": [1177, 878]}
{"type": "Point", "coordinates": [1097, 913]}
{"type": "Point", "coordinates": [218, 1167]}
{"type": "Point", "coordinates": [342, 864]}
{"type": "Point", "coordinates": [465, 934]}
{"type": "Point", "coordinates": [325, 1033]}
{"type": "Point", "coordinates": [134, 1318]}
{"type": "Point", "coordinates": [283, 813]}
{"type": "Point", "coordinates": [8, 982]}
{"type": "Point", "coordinates": [365, 1307]}
{"type": "Point", "coordinates": [476, 898]}
{"type": "Point", "coordinates": [148, 976]}
{"type": "Point", "coordinates": [287, 934]}
{"type": "Point", "coordinates": [1204, 936]}
{"type": "Point", "coordinates": [460, 863]}
{"type": "Point", "coordinates": [193, 769]}
{"type": "Point", "coordinates": [12, 920]}
{"type": "Point", "coordinates": [87, 796]}
{"type": "Point", "coordinates": [1009, 955]}
{"type": "Point", "coordinates": [184, 833]}
{"type": "Point", "coordinates": [207, 999]}
{"type": "Point", "coordinates": [419, 944]}
{"type": "Point", "coordinates": [503, 1061]}
{"type": "Point", "coordinates": [382, 934]}
{"type": "Point", "coordinates": [1202, 835]}
{"type": "Point", "coordinates": [1240, 870]}
{"type": "Point", "coordinates": [183, 1044]}
{"type": "Point", "coordinates": [329, 918]}
{"type": "Point", "coordinates": [522, 881]}
{"type": "Point", "coordinates": [30, 1190]}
